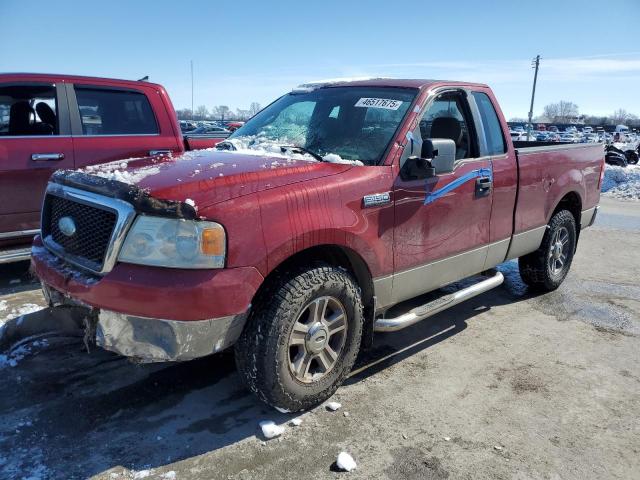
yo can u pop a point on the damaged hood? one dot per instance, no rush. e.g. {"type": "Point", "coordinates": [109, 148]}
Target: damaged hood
{"type": "Point", "coordinates": [198, 178]}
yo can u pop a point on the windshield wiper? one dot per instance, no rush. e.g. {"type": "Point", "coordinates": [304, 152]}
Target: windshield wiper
{"type": "Point", "coordinates": [293, 148]}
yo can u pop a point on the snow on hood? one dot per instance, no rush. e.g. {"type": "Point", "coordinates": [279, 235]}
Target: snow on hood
{"type": "Point", "coordinates": [261, 145]}
{"type": "Point", "coordinates": [205, 177]}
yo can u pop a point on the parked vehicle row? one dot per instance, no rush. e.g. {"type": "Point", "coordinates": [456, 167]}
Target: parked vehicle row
{"type": "Point", "coordinates": [190, 127]}
{"type": "Point", "coordinates": [50, 122]}
{"type": "Point", "coordinates": [293, 239]}
{"type": "Point", "coordinates": [622, 147]}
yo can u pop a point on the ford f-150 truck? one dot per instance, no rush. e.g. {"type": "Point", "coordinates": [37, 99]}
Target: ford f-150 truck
{"type": "Point", "coordinates": [48, 122]}
{"type": "Point", "coordinates": [294, 238]}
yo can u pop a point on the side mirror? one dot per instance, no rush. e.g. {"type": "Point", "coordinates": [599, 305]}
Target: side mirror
{"type": "Point", "coordinates": [437, 155]}
{"type": "Point", "coordinates": [444, 154]}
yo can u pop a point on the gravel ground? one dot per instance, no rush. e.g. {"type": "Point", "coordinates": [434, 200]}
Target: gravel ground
{"type": "Point", "coordinates": [508, 385]}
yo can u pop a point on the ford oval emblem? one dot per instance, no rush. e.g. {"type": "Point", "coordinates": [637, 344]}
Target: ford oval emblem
{"type": "Point", "coordinates": [67, 226]}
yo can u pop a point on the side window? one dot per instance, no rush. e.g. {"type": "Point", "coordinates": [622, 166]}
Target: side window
{"type": "Point", "coordinates": [115, 112]}
{"type": "Point", "coordinates": [490, 124]}
{"type": "Point", "coordinates": [28, 110]}
{"type": "Point", "coordinates": [448, 117]}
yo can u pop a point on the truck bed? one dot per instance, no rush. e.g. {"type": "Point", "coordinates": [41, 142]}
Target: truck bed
{"type": "Point", "coordinates": [549, 172]}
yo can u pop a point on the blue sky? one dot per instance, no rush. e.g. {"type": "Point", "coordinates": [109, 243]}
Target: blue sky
{"type": "Point", "coordinates": [250, 50]}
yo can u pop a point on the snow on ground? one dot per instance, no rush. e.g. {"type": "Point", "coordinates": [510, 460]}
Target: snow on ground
{"type": "Point", "coordinates": [345, 462]}
{"type": "Point", "coordinates": [17, 311]}
{"type": "Point", "coordinates": [16, 354]}
{"type": "Point", "coordinates": [622, 182]}
{"type": "Point", "coordinates": [270, 429]}
{"type": "Point", "coordinates": [333, 406]}
{"type": "Point", "coordinates": [12, 358]}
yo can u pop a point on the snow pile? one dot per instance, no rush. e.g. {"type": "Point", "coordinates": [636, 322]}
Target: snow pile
{"type": "Point", "coordinates": [270, 429]}
{"type": "Point", "coordinates": [345, 462]}
{"type": "Point", "coordinates": [296, 422]}
{"type": "Point", "coordinates": [622, 182]}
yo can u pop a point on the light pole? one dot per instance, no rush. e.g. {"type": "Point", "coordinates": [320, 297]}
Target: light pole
{"type": "Point", "coordinates": [534, 64]}
{"type": "Point", "coordinates": [191, 89]}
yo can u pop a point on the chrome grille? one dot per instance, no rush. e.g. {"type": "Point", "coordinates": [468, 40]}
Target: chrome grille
{"type": "Point", "coordinates": [84, 228]}
{"type": "Point", "coordinates": [94, 227]}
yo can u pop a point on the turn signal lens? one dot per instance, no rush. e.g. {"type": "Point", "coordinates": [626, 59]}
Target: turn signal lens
{"type": "Point", "coordinates": [213, 241]}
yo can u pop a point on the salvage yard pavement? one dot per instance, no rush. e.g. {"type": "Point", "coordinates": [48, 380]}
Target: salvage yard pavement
{"type": "Point", "coordinates": [507, 385]}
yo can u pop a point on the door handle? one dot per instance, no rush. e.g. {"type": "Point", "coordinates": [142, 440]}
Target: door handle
{"type": "Point", "coordinates": [153, 153]}
{"type": "Point", "coordinates": [483, 186]}
{"type": "Point", "coordinates": [47, 157]}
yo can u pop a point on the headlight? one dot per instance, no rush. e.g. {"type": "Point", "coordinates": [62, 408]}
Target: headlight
{"type": "Point", "coordinates": [176, 243]}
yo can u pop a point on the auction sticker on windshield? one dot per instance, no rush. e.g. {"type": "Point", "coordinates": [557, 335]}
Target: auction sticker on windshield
{"type": "Point", "coordinates": [385, 103]}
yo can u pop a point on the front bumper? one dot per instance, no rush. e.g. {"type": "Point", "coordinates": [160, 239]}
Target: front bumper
{"type": "Point", "coordinates": [153, 313]}
{"type": "Point", "coordinates": [152, 292]}
{"type": "Point", "coordinates": [157, 340]}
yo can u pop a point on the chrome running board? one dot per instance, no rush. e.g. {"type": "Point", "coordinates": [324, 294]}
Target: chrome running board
{"type": "Point", "coordinates": [15, 255]}
{"type": "Point", "coordinates": [439, 304]}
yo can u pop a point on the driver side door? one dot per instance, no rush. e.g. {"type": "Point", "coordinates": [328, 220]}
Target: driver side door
{"type": "Point", "coordinates": [441, 230]}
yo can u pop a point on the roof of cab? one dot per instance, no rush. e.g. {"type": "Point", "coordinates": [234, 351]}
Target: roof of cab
{"type": "Point", "coordinates": [54, 77]}
{"type": "Point", "coordinates": [382, 82]}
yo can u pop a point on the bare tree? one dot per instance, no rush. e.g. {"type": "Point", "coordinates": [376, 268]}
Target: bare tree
{"type": "Point", "coordinates": [242, 114]}
{"type": "Point", "coordinates": [201, 112]}
{"type": "Point", "coordinates": [561, 112]}
{"type": "Point", "coordinates": [621, 116]}
{"type": "Point", "coordinates": [221, 111]}
{"type": "Point", "coordinates": [254, 108]}
{"type": "Point", "coordinates": [184, 114]}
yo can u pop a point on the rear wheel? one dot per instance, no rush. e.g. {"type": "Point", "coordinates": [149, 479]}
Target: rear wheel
{"type": "Point", "coordinates": [546, 268]}
{"type": "Point", "coordinates": [302, 338]}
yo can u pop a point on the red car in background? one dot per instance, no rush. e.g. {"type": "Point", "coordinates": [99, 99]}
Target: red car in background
{"type": "Point", "coordinates": [233, 126]}
{"type": "Point", "coordinates": [50, 122]}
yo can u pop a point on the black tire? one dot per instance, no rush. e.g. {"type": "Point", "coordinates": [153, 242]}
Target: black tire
{"type": "Point", "coordinates": [538, 269]}
{"type": "Point", "coordinates": [263, 353]}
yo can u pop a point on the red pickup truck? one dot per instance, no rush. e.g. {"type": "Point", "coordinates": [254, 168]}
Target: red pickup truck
{"type": "Point", "coordinates": [292, 242]}
{"type": "Point", "coordinates": [48, 122]}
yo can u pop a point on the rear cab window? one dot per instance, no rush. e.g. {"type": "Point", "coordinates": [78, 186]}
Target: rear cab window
{"type": "Point", "coordinates": [114, 112]}
{"type": "Point", "coordinates": [491, 127]}
{"type": "Point", "coordinates": [28, 110]}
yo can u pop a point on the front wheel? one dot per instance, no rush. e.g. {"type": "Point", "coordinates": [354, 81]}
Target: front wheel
{"type": "Point", "coordinates": [546, 268]}
{"type": "Point", "coordinates": [302, 338]}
